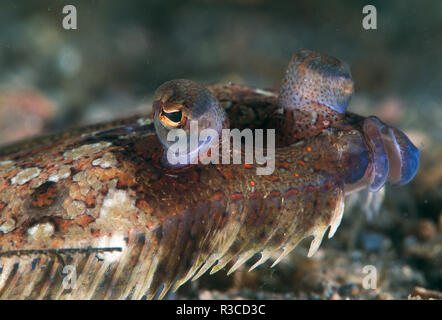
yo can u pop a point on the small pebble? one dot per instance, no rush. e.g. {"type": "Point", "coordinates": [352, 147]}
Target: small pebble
{"type": "Point", "coordinates": [371, 241]}
{"type": "Point", "coordinates": [383, 296]}
{"type": "Point", "coordinates": [348, 289]}
{"type": "Point", "coordinates": [335, 296]}
{"type": "Point", "coordinates": [425, 230]}
{"type": "Point", "coordinates": [426, 293]}
{"type": "Point", "coordinates": [356, 255]}
{"type": "Point", "coordinates": [205, 295]}
{"type": "Point", "coordinates": [410, 241]}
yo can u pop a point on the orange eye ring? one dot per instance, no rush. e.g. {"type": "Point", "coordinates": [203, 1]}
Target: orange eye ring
{"type": "Point", "coordinates": [173, 118]}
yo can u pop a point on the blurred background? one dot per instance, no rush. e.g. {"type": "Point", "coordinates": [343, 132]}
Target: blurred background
{"type": "Point", "coordinates": [51, 78]}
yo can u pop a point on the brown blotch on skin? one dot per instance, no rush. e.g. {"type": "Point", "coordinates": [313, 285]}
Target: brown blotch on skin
{"type": "Point", "coordinates": [254, 195]}
{"type": "Point", "coordinates": [44, 195]}
{"type": "Point", "coordinates": [95, 232]}
{"type": "Point", "coordinates": [126, 181]}
{"type": "Point", "coordinates": [226, 172]}
{"type": "Point", "coordinates": [284, 165]}
{"type": "Point", "coordinates": [64, 224]}
{"type": "Point", "coordinates": [274, 194]}
{"type": "Point", "coordinates": [4, 185]}
{"type": "Point", "coordinates": [104, 189]}
{"type": "Point", "coordinates": [89, 200]}
{"type": "Point", "coordinates": [81, 164]}
{"type": "Point", "coordinates": [218, 196]}
{"type": "Point", "coordinates": [17, 237]}
{"type": "Point", "coordinates": [236, 196]}
{"type": "Point", "coordinates": [50, 169]}
{"type": "Point", "coordinates": [107, 174]}
{"type": "Point", "coordinates": [291, 192]}
{"type": "Point", "coordinates": [272, 178]}
{"type": "Point", "coordinates": [98, 155]}
{"type": "Point", "coordinates": [144, 206]}
{"type": "Point", "coordinates": [2, 205]}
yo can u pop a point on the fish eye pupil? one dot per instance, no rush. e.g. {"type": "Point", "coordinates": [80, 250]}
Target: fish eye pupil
{"type": "Point", "coordinates": [174, 116]}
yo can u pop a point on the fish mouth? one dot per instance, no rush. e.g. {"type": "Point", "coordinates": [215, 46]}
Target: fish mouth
{"type": "Point", "coordinates": [394, 158]}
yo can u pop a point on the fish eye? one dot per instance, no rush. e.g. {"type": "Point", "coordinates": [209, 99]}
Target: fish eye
{"type": "Point", "coordinates": [176, 104]}
{"type": "Point", "coordinates": [173, 118]}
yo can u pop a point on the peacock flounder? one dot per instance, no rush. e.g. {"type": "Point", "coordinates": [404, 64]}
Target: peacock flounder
{"type": "Point", "coordinates": [106, 201]}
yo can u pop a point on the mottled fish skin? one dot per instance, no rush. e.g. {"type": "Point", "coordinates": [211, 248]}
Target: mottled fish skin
{"type": "Point", "coordinates": [101, 190]}
{"type": "Point", "coordinates": [99, 200]}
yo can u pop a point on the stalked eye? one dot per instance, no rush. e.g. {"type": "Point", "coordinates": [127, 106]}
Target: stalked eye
{"type": "Point", "coordinates": [173, 118]}
{"type": "Point", "coordinates": [394, 158]}
{"type": "Point", "coordinates": [403, 156]}
{"type": "Point", "coordinates": [312, 77]}
{"type": "Point", "coordinates": [314, 95]}
{"type": "Point", "coordinates": [184, 110]}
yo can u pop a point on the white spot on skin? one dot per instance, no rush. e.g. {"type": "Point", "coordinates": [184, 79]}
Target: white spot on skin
{"type": "Point", "coordinates": [6, 164]}
{"type": "Point", "coordinates": [7, 226]}
{"type": "Point", "coordinates": [86, 150]}
{"type": "Point", "coordinates": [117, 211]}
{"type": "Point", "coordinates": [144, 121]}
{"type": "Point", "coordinates": [25, 176]}
{"type": "Point", "coordinates": [298, 144]}
{"type": "Point", "coordinates": [265, 93]}
{"type": "Point", "coordinates": [79, 176]}
{"type": "Point", "coordinates": [62, 173]}
{"type": "Point", "coordinates": [106, 161]}
{"type": "Point", "coordinates": [74, 208]}
{"type": "Point", "coordinates": [114, 241]}
{"type": "Point", "coordinates": [90, 134]}
{"type": "Point", "coordinates": [226, 104]}
{"type": "Point", "coordinates": [314, 117]}
{"type": "Point", "coordinates": [85, 181]}
{"type": "Point", "coordinates": [41, 231]}
{"type": "Point", "coordinates": [280, 111]}
{"type": "Point", "coordinates": [4, 276]}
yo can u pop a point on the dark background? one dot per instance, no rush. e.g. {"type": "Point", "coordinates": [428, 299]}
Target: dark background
{"type": "Point", "coordinates": [124, 50]}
